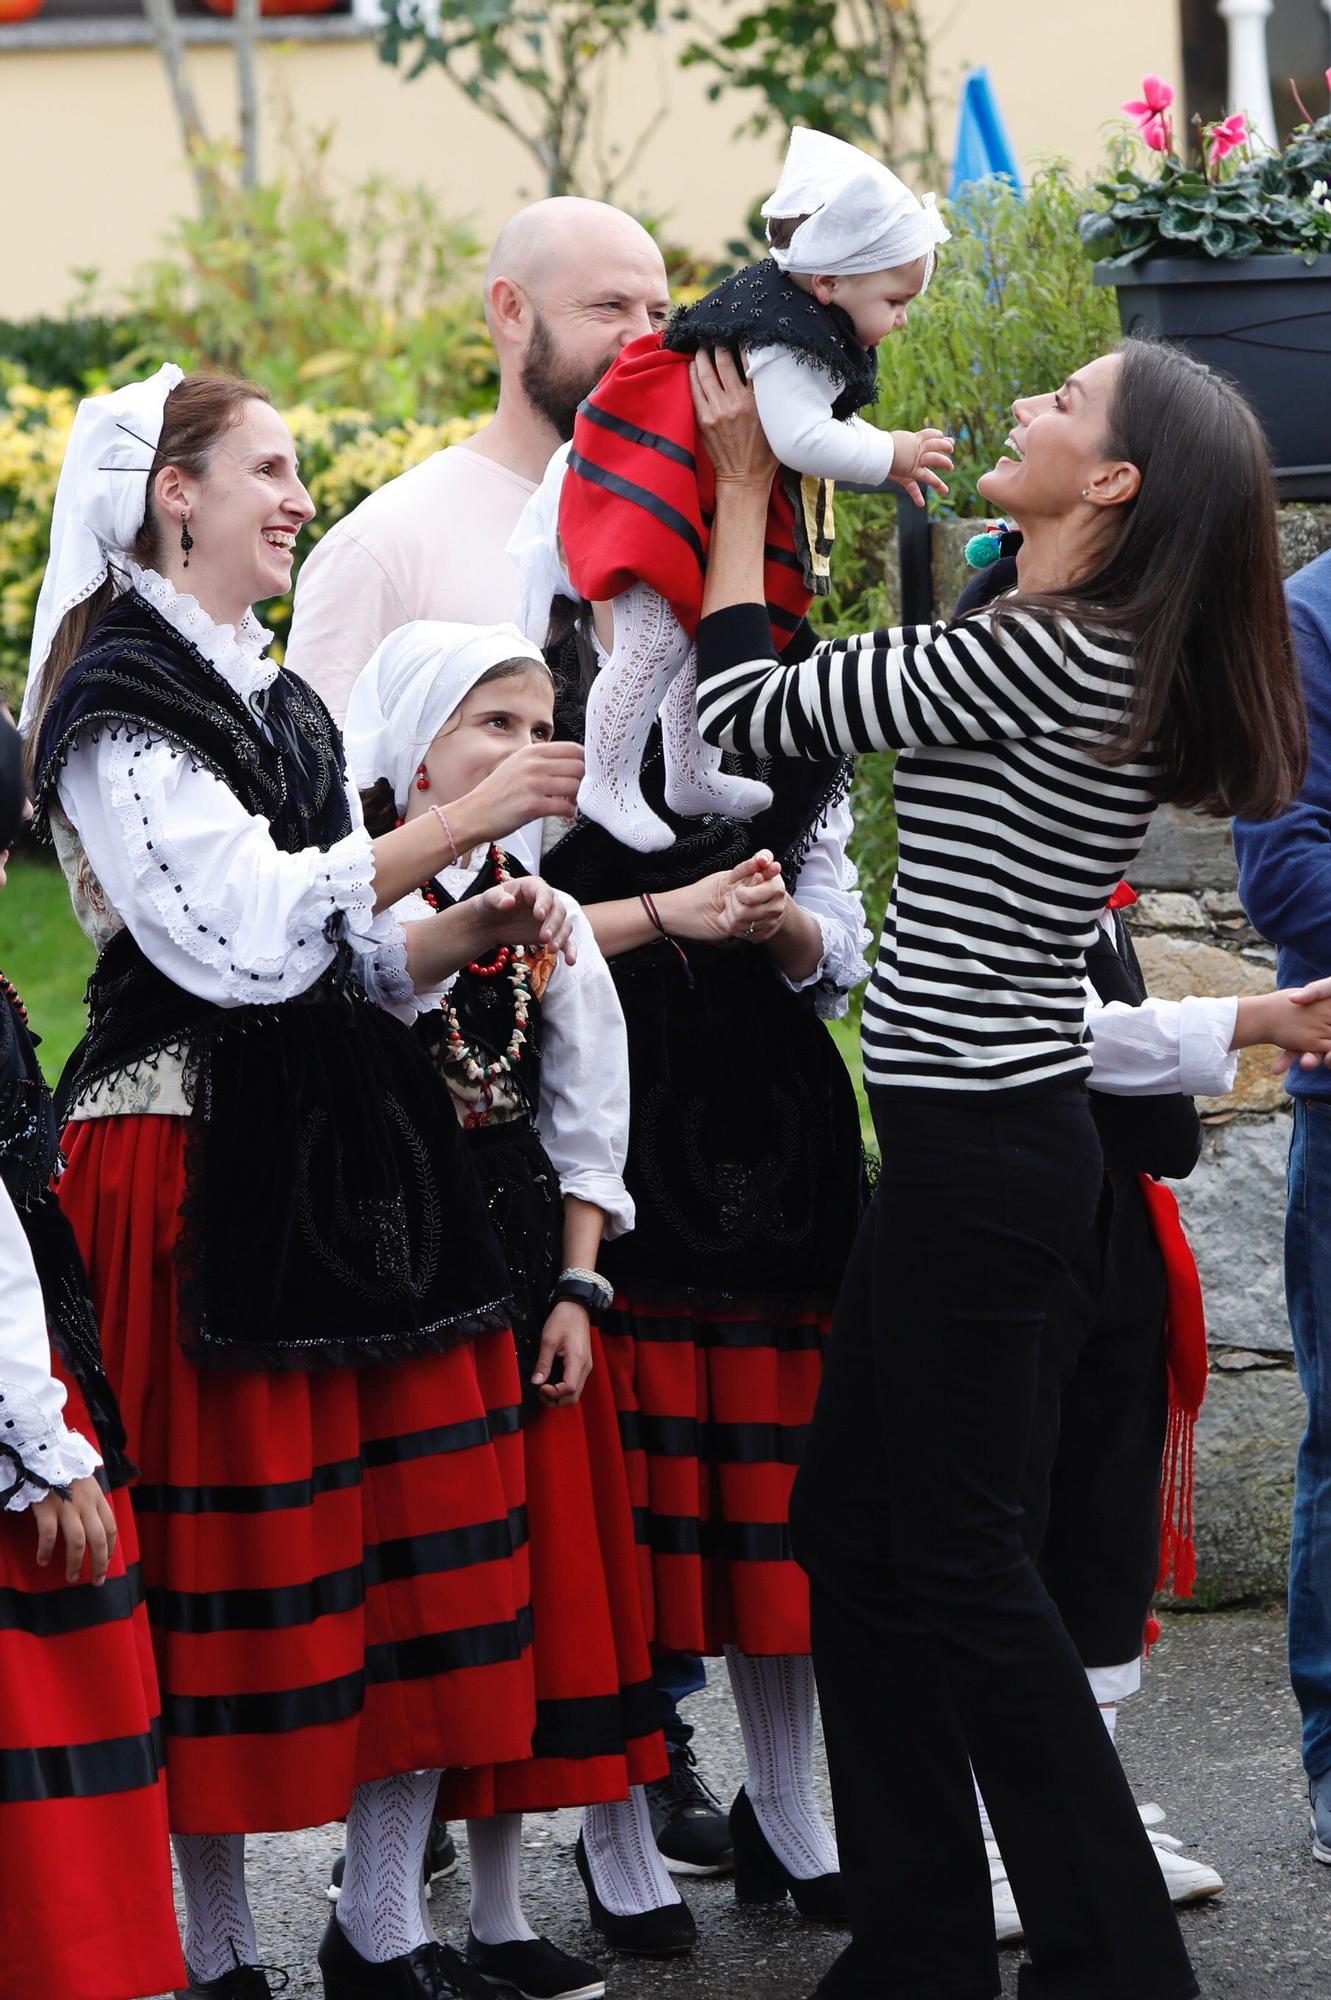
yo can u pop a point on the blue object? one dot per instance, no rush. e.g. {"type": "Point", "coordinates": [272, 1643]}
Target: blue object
{"type": "Point", "coordinates": [999, 539]}
{"type": "Point", "coordinates": [1285, 863]}
{"type": "Point", "coordinates": [982, 147]}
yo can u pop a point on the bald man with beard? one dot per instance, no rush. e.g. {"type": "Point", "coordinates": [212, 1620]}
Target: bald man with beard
{"type": "Point", "coordinates": [568, 284]}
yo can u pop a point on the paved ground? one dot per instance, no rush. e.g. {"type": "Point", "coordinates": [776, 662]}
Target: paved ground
{"type": "Point", "coordinates": [1213, 1739]}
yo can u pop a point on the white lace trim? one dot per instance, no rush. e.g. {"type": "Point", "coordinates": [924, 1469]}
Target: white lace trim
{"type": "Point", "coordinates": [382, 965]}
{"type": "Point", "coordinates": [842, 967]}
{"type": "Point", "coordinates": [51, 1454]}
{"type": "Point", "coordinates": [341, 880]}
{"type": "Point", "coordinates": [237, 652]}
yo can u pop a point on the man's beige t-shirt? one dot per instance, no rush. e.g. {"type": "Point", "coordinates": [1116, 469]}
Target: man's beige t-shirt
{"type": "Point", "coordinates": [429, 544]}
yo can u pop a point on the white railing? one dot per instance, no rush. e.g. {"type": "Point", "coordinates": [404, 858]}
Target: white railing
{"type": "Point", "coordinates": [1249, 71]}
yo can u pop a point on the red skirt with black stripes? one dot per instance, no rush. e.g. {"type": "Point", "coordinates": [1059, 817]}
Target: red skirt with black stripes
{"type": "Point", "coordinates": [85, 1865]}
{"type": "Point", "coordinates": [597, 1722]}
{"type": "Point", "coordinates": [714, 1409]}
{"type": "Point", "coordinates": [334, 1562]}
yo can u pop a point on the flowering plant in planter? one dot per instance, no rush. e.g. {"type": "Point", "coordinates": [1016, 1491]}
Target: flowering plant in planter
{"type": "Point", "coordinates": [1229, 200]}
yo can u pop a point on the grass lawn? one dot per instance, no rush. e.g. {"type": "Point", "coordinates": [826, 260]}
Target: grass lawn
{"type": "Point", "coordinates": [48, 958]}
{"type": "Point", "coordinates": [44, 953]}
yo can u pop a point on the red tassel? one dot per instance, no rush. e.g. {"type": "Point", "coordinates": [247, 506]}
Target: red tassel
{"type": "Point", "coordinates": [1152, 1635]}
{"type": "Point", "coordinates": [1185, 1346]}
{"type": "Point", "coordinates": [1123, 897]}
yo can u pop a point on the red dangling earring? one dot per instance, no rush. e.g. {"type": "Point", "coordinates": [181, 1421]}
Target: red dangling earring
{"type": "Point", "coordinates": [422, 779]}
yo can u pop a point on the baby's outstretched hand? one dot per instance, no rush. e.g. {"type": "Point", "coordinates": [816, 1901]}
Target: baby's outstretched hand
{"type": "Point", "coordinates": [918, 457]}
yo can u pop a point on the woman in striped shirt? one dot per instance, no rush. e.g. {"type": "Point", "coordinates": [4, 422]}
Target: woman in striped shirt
{"type": "Point", "coordinates": [1145, 655]}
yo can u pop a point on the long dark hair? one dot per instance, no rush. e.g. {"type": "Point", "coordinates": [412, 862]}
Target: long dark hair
{"type": "Point", "coordinates": [1193, 579]}
{"type": "Point", "coordinates": [196, 414]}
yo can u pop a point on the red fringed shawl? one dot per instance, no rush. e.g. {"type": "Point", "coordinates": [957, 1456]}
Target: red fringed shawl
{"type": "Point", "coordinates": [639, 494]}
{"type": "Point", "coordinates": [1185, 1348]}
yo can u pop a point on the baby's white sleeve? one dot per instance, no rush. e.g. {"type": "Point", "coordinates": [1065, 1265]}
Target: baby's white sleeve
{"type": "Point", "coordinates": [795, 399]}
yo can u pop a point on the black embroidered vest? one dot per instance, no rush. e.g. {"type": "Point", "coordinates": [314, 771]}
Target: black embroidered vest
{"type": "Point", "coordinates": [331, 1215]}
{"type": "Point", "coordinates": [29, 1160]}
{"type": "Point", "coordinates": [761, 307]}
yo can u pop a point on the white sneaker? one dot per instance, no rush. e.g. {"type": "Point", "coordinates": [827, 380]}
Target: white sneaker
{"type": "Point", "coordinates": [1187, 1881]}
{"type": "Point", "coordinates": [1007, 1923]}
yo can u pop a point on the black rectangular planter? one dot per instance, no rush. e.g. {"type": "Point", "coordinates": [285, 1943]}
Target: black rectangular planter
{"type": "Point", "coordinates": [1265, 322]}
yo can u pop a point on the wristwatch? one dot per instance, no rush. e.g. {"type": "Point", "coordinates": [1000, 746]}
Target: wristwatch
{"type": "Point", "coordinates": [584, 1288]}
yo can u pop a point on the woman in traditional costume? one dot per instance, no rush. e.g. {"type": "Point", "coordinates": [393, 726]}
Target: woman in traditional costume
{"type": "Point", "coordinates": [731, 950]}
{"type": "Point", "coordinates": [304, 1309]}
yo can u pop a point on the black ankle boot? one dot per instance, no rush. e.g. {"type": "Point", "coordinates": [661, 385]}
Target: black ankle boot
{"type": "Point", "coordinates": [762, 1877]}
{"type": "Point", "coordinates": [430, 1972]}
{"type": "Point", "coordinates": [665, 1933]}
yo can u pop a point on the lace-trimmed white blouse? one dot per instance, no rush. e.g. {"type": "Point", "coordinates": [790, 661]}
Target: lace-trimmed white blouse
{"type": "Point", "coordinates": [31, 1399]}
{"type": "Point", "coordinates": [129, 805]}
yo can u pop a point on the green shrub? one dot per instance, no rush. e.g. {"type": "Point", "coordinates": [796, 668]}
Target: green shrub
{"type": "Point", "coordinates": [67, 353]}
{"type": "Point", "coordinates": [371, 297]}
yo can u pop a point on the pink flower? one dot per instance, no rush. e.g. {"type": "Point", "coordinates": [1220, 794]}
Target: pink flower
{"type": "Point", "coordinates": [1151, 112]}
{"type": "Point", "coordinates": [1228, 135]}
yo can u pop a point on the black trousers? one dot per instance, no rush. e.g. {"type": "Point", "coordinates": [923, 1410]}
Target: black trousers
{"type": "Point", "coordinates": [936, 1645]}
{"type": "Point", "coordinates": [1092, 1497]}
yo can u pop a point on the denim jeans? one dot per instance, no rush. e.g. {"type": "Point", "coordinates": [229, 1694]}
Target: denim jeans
{"type": "Point", "coordinates": [1308, 1293]}
{"type": "Point", "coordinates": [676, 1675]}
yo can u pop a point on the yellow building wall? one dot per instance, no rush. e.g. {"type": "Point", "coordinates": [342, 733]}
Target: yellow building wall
{"type": "Point", "coordinates": [92, 170]}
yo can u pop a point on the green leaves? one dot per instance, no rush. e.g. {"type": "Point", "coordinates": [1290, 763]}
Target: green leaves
{"type": "Point", "coordinates": [1266, 204]}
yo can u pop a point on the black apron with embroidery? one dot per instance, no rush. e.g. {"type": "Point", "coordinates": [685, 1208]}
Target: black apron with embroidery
{"type": "Point", "coordinates": [332, 1216]}
{"type": "Point", "coordinates": [745, 1162]}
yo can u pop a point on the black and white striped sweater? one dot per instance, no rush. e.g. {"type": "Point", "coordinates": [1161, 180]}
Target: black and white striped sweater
{"type": "Point", "coordinates": [1013, 834]}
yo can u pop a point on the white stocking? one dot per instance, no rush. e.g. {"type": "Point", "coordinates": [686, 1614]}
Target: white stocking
{"type": "Point", "coordinates": [219, 1930]}
{"type": "Point", "coordinates": [495, 1846]}
{"type": "Point", "coordinates": [381, 1907]}
{"type": "Point", "coordinates": [774, 1697]}
{"type": "Point", "coordinates": [651, 647]}
{"type": "Point", "coordinates": [623, 1858]}
{"type": "Point", "coordinates": [694, 780]}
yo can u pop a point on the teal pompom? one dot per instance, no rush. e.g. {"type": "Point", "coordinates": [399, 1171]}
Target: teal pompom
{"type": "Point", "coordinates": [981, 550]}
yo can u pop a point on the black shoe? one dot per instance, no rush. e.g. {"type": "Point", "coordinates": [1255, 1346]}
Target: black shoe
{"type": "Point", "coordinates": [663, 1933]}
{"type": "Point", "coordinates": [441, 1860]}
{"type": "Point", "coordinates": [761, 1877]}
{"type": "Point", "coordinates": [689, 1821]}
{"type": "Point", "coordinates": [535, 1969]}
{"type": "Point", "coordinates": [430, 1972]}
{"type": "Point", "coordinates": [246, 1982]}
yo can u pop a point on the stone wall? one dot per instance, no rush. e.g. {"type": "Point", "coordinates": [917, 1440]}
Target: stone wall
{"type": "Point", "coordinates": [1192, 936]}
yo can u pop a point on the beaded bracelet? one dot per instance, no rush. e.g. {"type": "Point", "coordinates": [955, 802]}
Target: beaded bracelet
{"type": "Point", "coordinates": [438, 812]}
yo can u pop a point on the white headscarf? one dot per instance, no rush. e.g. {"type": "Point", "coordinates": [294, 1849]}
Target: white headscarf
{"type": "Point", "coordinates": [410, 686]}
{"type": "Point", "coordinates": [534, 548]}
{"type": "Point", "coordinates": [100, 503]}
{"type": "Point", "coordinates": [861, 217]}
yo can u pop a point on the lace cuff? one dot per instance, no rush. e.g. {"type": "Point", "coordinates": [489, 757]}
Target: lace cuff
{"type": "Point", "coordinates": [37, 1452]}
{"type": "Point", "coordinates": [841, 968]}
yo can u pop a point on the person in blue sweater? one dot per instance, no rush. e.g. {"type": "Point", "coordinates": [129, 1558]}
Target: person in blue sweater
{"type": "Point", "coordinates": [1285, 883]}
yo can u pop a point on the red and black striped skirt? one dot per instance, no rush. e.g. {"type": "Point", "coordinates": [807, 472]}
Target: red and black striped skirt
{"type": "Point", "coordinates": [85, 1864]}
{"type": "Point", "coordinates": [334, 1561]}
{"type": "Point", "coordinates": [714, 1408]}
{"type": "Point", "coordinates": [597, 1725]}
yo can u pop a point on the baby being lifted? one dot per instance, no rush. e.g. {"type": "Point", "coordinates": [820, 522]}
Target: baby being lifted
{"type": "Point", "coordinates": [851, 247]}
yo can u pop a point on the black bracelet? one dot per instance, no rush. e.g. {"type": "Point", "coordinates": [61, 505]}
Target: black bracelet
{"type": "Point", "coordinates": [586, 1289]}
{"type": "Point", "coordinates": [654, 918]}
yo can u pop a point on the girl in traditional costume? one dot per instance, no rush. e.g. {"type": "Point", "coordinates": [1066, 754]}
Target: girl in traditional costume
{"type": "Point", "coordinates": [534, 1055]}
{"type": "Point", "coordinates": [304, 1309]}
{"type": "Point", "coordinates": [849, 248]}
